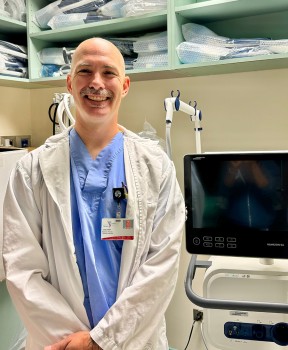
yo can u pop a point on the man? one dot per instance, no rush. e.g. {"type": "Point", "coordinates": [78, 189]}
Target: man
{"type": "Point", "coordinates": [93, 223]}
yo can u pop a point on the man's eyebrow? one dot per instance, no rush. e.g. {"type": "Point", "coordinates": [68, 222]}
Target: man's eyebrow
{"type": "Point", "coordinates": [110, 67]}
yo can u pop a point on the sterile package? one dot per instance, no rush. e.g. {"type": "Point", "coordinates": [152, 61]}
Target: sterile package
{"type": "Point", "coordinates": [44, 15]}
{"type": "Point", "coordinates": [139, 7]}
{"type": "Point", "coordinates": [112, 8]}
{"type": "Point", "coordinates": [54, 70]}
{"type": "Point", "coordinates": [13, 60]}
{"type": "Point", "coordinates": [93, 17]}
{"type": "Point", "coordinates": [275, 46]}
{"type": "Point", "coordinates": [52, 55]}
{"type": "Point", "coordinates": [124, 45]}
{"type": "Point", "coordinates": [151, 42]}
{"type": "Point", "coordinates": [246, 52]}
{"type": "Point", "coordinates": [151, 60]}
{"type": "Point", "coordinates": [66, 20]}
{"type": "Point", "coordinates": [198, 33]}
{"type": "Point", "coordinates": [12, 67]}
{"type": "Point", "coordinates": [16, 9]}
{"type": "Point", "coordinates": [18, 51]}
{"type": "Point", "coordinates": [194, 53]}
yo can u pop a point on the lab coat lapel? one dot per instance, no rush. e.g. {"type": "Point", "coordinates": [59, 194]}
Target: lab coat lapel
{"type": "Point", "coordinates": [55, 166]}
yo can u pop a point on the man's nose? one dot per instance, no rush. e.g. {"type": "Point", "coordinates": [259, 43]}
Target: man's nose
{"type": "Point", "coordinates": [97, 81]}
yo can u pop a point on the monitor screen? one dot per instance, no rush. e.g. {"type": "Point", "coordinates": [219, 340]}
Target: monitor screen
{"type": "Point", "coordinates": [237, 204]}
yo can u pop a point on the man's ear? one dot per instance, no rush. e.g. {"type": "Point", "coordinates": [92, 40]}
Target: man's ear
{"type": "Point", "coordinates": [69, 83]}
{"type": "Point", "coordinates": [126, 86]}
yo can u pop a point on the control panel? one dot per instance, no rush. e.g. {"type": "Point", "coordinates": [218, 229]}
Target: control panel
{"type": "Point", "coordinates": [277, 333]}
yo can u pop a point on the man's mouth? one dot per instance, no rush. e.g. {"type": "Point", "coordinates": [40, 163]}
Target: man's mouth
{"type": "Point", "coordinates": [100, 95]}
{"type": "Point", "coordinates": [97, 98]}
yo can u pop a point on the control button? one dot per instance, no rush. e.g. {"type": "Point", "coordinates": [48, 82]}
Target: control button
{"type": "Point", "coordinates": [231, 245]}
{"type": "Point", "coordinates": [207, 238]}
{"type": "Point", "coordinates": [207, 244]}
{"type": "Point", "coordinates": [231, 239]}
{"type": "Point", "coordinates": [219, 239]}
{"type": "Point", "coordinates": [219, 245]}
{"type": "Point", "coordinates": [196, 240]}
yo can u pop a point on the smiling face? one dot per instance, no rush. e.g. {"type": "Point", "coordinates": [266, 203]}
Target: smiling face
{"type": "Point", "coordinates": [97, 82]}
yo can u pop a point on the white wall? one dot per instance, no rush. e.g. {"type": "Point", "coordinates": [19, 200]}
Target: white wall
{"type": "Point", "coordinates": [243, 111]}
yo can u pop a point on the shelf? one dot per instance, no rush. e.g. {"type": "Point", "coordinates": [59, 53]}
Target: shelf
{"type": "Point", "coordinates": [14, 82]}
{"type": "Point", "coordinates": [135, 75]}
{"type": "Point", "coordinates": [215, 10]}
{"type": "Point", "coordinates": [12, 26]}
{"type": "Point", "coordinates": [109, 27]}
{"type": "Point", "coordinates": [246, 64]}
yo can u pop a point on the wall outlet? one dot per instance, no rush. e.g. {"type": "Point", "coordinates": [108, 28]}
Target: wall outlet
{"type": "Point", "coordinates": [8, 141]}
{"type": "Point", "coordinates": [23, 141]}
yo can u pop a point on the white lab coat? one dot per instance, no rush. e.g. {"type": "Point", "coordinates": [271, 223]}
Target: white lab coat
{"type": "Point", "coordinates": [39, 257]}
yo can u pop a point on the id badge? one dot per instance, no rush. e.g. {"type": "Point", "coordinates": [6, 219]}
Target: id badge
{"type": "Point", "coordinates": [117, 229]}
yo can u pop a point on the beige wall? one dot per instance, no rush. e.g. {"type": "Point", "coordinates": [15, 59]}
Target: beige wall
{"type": "Point", "coordinates": [15, 112]}
{"type": "Point", "coordinates": [243, 111]}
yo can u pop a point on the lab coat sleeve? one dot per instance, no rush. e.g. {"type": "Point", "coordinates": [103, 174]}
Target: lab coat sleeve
{"type": "Point", "coordinates": [44, 312]}
{"type": "Point", "coordinates": [133, 322]}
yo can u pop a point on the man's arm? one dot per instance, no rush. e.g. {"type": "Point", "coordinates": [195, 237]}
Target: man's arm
{"type": "Point", "coordinates": [45, 313]}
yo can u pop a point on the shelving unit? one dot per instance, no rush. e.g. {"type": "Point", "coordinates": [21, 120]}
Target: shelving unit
{"type": "Point", "coordinates": [230, 18]}
{"type": "Point", "coordinates": [16, 32]}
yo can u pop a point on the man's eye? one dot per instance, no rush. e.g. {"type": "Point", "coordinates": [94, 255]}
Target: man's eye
{"type": "Point", "coordinates": [84, 71]}
{"type": "Point", "coordinates": [109, 72]}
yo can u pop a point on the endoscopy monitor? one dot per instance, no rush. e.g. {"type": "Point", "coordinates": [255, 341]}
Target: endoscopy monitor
{"type": "Point", "coordinates": [237, 204]}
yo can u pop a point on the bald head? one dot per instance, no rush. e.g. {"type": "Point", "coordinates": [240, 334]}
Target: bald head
{"type": "Point", "coordinates": [98, 47]}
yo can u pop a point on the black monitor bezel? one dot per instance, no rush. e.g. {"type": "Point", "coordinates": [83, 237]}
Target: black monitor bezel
{"type": "Point", "coordinates": [249, 244]}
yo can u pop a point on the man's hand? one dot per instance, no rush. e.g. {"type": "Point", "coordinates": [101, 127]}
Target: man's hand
{"type": "Point", "coordinates": [76, 341]}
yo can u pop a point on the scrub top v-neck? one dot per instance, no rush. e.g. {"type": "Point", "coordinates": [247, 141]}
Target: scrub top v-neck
{"type": "Point", "coordinates": [92, 183]}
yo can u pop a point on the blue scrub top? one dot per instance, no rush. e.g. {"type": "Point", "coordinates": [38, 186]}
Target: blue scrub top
{"type": "Point", "coordinates": [92, 182]}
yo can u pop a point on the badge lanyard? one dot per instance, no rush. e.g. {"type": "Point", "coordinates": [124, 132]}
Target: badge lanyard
{"type": "Point", "coordinates": [118, 228]}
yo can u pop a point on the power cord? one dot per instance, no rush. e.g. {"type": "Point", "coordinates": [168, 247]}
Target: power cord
{"type": "Point", "coordinates": [52, 112]}
{"type": "Point", "coordinates": [197, 316]}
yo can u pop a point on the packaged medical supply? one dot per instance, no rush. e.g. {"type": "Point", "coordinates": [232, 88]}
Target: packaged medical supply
{"type": "Point", "coordinates": [194, 53]}
{"type": "Point", "coordinates": [52, 55]}
{"type": "Point", "coordinates": [151, 60]}
{"type": "Point", "coordinates": [112, 8]}
{"type": "Point", "coordinates": [151, 42]}
{"type": "Point", "coordinates": [139, 7]}
{"type": "Point", "coordinates": [44, 15]}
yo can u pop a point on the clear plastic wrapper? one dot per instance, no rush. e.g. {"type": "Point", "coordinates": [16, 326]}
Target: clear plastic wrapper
{"type": "Point", "coordinates": [151, 43]}
{"type": "Point", "coordinates": [275, 46]}
{"type": "Point", "coordinates": [150, 133]}
{"type": "Point", "coordinates": [11, 66]}
{"type": "Point", "coordinates": [18, 51]}
{"type": "Point", "coordinates": [151, 60]}
{"type": "Point", "coordinates": [44, 15]}
{"type": "Point", "coordinates": [194, 53]}
{"type": "Point", "coordinates": [82, 6]}
{"type": "Point", "coordinates": [138, 8]}
{"type": "Point", "coordinates": [16, 9]}
{"type": "Point", "coordinates": [54, 70]}
{"type": "Point", "coordinates": [66, 20]}
{"type": "Point", "coordinates": [193, 32]}
{"type": "Point", "coordinates": [124, 45]}
{"type": "Point", "coordinates": [112, 8]}
{"type": "Point", "coordinates": [93, 17]}
{"type": "Point", "coordinates": [52, 55]}
{"type": "Point", "coordinates": [48, 70]}
{"type": "Point", "coordinates": [246, 52]}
